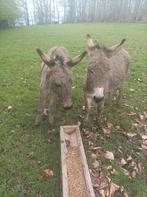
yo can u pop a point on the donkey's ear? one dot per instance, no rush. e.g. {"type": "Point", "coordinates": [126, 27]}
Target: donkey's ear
{"type": "Point", "coordinates": [45, 58]}
{"type": "Point", "coordinates": [114, 49]}
{"type": "Point", "coordinates": [90, 43]}
{"type": "Point", "coordinates": [77, 59]}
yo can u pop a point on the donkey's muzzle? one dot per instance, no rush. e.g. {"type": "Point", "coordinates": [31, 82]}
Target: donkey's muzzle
{"type": "Point", "coordinates": [98, 99]}
{"type": "Point", "coordinates": [68, 104]}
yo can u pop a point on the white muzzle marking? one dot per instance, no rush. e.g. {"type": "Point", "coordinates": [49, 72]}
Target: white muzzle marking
{"type": "Point", "coordinates": [99, 92]}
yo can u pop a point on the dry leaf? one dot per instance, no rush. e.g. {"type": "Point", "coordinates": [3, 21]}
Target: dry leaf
{"type": "Point", "coordinates": [113, 172]}
{"type": "Point", "coordinates": [131, 134]}
{"type": "Point", "coordinates": [109, 167]}
{"type": "Point", "coordinates": [83, 107]}
{"type": "Point", "coordinates": [123, 161]}
{"type": "Point", "coordinates": [106, 131]}
{"type": "Point", "coordinates": [129, 158]}
{"type": "Point", "coordinates": [109, 125]}
{"type": "Point", "coordinates": [109, 155]}
{"type": "Point", "coordinates": [93, 156]}
{"type": "Point", "coordinates": [144, 146]}
{"type": "Point", "coordinates": [144, 137]}
{"type": "Point", "coordinates": [131, 90]}
{"type": "Point", "coordinates": [126, 172]}
{"type": "Point", "coordinates": [113, 189]}
{"type": "Point", "coordinates": [134, 174]}
{"type": "Point", "coordinates": [117, 127]}
{"type": "Point", "coordinates": [125, 195]}
{"type": "Point", "coordinates": [96, 164]}
{"type": "Point", "coordinates": [48, 173]}
{"type": "Point", "coordinates": [9, 108]}
{"type": "Point", "coordinates": [45, 112]}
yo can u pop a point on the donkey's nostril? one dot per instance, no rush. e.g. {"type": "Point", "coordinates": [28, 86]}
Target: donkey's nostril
{"type": "Point", "coordinates": [98, 99]}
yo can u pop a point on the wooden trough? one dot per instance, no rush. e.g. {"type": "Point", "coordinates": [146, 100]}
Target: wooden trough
{"type": "Point", "coordinates": [76, 181]}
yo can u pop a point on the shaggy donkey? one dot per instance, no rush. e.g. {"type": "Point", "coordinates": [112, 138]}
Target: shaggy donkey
{"type": "Point", "coordinates": [106, 73]}
{"type": "Point", "coordinates": [56, 80]}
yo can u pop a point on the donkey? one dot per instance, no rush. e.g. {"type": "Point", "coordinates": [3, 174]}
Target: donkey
{"type": "Point", "coordinates": [106, 73]}
{"type": "Point", "coordinates": [56, 80]}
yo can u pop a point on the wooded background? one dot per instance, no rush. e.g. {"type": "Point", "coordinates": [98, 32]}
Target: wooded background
{"type": "Point", "coordinates": [25, 12]}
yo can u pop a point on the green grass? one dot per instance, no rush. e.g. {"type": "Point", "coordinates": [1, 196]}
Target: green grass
{"type": "Point", "coordinates": [21, 145]}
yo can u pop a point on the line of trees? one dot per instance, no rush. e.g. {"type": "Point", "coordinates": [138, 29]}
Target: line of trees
{"type": "Point", "coordinates": [72, 11]}
{"type": "Point", "coordinates": [8, 12]}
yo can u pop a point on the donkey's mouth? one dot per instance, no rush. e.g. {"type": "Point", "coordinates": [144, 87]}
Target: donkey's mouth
{"type": "Point", "coordinates": [98, 99]}
{"type": "Point", "coordinates": [67, 107]}
{"type": "Point", "coordinates": [68, 104]}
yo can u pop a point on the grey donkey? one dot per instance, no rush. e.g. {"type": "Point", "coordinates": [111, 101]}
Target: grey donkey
{"type": "Point", "coordinates": [56, 80]}
{"type": "Point", "coordinates": [106, 73]}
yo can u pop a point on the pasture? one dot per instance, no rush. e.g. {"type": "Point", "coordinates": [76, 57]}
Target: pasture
{"type": "Point", "coordinates": [25, 151]}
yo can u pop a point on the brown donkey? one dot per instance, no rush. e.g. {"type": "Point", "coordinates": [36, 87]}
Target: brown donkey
{"type": "Point", "coordinates": [106, 73]}
{"type": "Point", "coordinates": [56, 80]}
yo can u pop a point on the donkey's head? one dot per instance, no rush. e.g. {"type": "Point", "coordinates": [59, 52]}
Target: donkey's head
{"type": "Point", "coordinates": [60, 80]}
{"type": "Point", "coordinates": [98, 71]}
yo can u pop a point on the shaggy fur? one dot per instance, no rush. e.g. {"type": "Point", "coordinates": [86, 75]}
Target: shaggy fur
{"type": "Point", "coordinates": [107, 69]}
{"type": "Point", "coordinates": [56, 80]}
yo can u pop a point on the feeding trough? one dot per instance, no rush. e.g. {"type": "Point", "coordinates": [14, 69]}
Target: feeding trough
{"type": "Point", "coordinates": [76, 181]}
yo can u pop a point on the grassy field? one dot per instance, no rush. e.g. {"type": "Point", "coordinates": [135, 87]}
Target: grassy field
{"type": "Point", "coordinates": [25, 152]}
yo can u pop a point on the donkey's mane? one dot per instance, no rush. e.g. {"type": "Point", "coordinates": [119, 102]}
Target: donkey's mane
{"type": "Point", "coordinates": [100, 46]}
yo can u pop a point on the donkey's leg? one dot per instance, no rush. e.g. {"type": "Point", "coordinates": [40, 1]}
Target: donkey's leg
{"type": "Point", "coordinates": [42, 99]}
{"type": "Point", "coordinates": [99, 110]}
{"type": "Point", "coordinates": [120, 96]}
{"type": "Point", "coordinates": [52, 110]}
{"type": "Point", "coordinates": [88, 101]}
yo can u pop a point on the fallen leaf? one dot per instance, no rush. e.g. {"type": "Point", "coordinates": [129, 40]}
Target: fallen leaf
{"type": "Point", "coordinates": [144, 146]}
{"type": "Point", "coordinates": [113, 172]}
{"type": "Point", "coordinates": [141, 117]}
{"type": "Point", "coordinates": [109, 155]}
{"type": "Point", "coordinates": [129, 158]}
{"type": "Point", "coordinates": [132, 114]}
{"type": "Point", "coordinates": [9, 108]}
{"type": "Point", "coordinates": [113, 189]}
{"type": "Point", "coordinates": [123, 161]}
{"type": "Point", "coordinates": [109, 167]}
{"type": "Point", "coordinates": [144, 137]}
{"type": "Point", "coordinates": [133, 174]}
{"type": "Point", "coordinates": [48, 173]}
{"type": "Point", "coordinates": [96, 164]}
{"type": "Point", "coordinates": [109, 125]}
{"type": "Point", "coordinates": [83, 107]}
{"type": "Point", "coordinates": [131, 134]}
{"type": "Point", "coordinates": [106, 131]}
{"type": "Point", "coordinates": [117, 127]}
{"type": "Point", "coordinates": [45, 112]}
{"type": "Point", "coordinates": [126, 172]}
{"type": "Point", "coordinates": [93, 156]}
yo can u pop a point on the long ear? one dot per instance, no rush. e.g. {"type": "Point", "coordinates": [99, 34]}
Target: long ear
{"type": "Point", "coordinates": [90, 43]}
{"type": "Point", "coordinates": [114, 49]}
{"type": "Point", "coordinates": [45, 58]}
{"type": "Point", "coordinates": [77, 59]}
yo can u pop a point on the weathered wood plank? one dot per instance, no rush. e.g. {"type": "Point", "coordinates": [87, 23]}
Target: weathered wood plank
{"type": "Point", "coordinates": [72, 135]}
